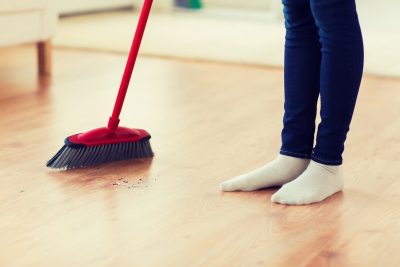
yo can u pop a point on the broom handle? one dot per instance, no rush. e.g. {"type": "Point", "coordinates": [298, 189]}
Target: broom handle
{"type": "Point", "coordinates": [114, 119]}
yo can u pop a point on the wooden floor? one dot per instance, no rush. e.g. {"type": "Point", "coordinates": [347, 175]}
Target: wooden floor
{"type": "Point", "coordinates": [209, 122]}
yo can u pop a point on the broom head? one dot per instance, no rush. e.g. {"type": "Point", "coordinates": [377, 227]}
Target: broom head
{"type": "Point", "coordinates": [102, 145]}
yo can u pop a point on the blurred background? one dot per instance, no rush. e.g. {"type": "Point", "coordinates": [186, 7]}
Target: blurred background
{"type": "Point", "coordinates": [237, 31]}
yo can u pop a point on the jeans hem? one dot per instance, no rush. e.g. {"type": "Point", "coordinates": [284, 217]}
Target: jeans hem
{"type": "Point", "coordinates": [327, 162]}
{"type": "Point", "coordinates": [294, 154]}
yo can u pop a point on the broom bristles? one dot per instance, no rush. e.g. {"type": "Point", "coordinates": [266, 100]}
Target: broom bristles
{"type": "Point", "coordinates": [69, 158]}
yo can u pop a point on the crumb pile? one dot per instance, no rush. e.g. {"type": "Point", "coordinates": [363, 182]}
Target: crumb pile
{"type": "Point", "coordinates": [128, 184]}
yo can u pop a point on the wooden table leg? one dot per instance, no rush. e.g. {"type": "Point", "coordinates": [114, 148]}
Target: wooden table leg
{"type": "Point", "coordinates": [44, 57]}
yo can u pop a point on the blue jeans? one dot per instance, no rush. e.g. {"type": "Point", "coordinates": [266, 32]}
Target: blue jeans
{"type": "Point", "coordinates": [324, 56]}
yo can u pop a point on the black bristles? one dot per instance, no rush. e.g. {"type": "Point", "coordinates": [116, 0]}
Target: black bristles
{"type": "Point", "coordinates": [69, 158]}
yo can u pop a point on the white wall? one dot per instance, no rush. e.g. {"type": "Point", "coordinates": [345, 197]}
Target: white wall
{"type": "Point", "coordinates": [259, 5]}
{"type": "Point", "coordinates": [242, 4]}
{"type": "Point", "coordinates": [159, 5]}
{"type": "Point", "coordinates": [71, 6]}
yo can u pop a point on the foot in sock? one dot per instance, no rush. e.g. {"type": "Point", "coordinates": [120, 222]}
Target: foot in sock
{"type": "Point", "coordinates": [276, 173]}
{"type": "Point", "coordinates": [315, 184]}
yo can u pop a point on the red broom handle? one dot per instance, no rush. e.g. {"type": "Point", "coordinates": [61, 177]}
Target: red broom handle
{"type": "Point", "coordinates": [114, 119]}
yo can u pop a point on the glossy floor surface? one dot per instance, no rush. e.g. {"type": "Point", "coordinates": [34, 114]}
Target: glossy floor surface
{"type": "Point", "coordinates": [209, 122]}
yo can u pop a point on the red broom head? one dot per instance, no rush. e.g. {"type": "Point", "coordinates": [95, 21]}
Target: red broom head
{"type": "Point", "coordinates": [102, 145]}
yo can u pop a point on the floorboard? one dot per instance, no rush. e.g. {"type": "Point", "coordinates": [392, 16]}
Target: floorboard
{"type": "Point", "coordinates": [209, 122]}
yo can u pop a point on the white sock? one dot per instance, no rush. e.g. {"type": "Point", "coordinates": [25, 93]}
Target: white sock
{"type": "Point", "coordinates": [318, 182]}
{"type": "Point", "coordinates": [276, 173]}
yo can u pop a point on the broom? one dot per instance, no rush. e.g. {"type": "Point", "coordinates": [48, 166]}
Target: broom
{"type": "Point", "coordinates": [111, 143]}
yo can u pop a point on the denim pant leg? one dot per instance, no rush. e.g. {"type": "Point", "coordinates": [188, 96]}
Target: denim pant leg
{"type": "Point", "coordinates": [301, 78]}
{"type": "Point", "coordinates": [341, 71]}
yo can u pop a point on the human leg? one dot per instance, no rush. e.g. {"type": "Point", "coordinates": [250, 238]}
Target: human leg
{"type": "Point", "coordinates": [302, 67]}
{"type": "Point", "coordinates": [301, 78]}
{"type": "Point", "coordinates": [341, 72]}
